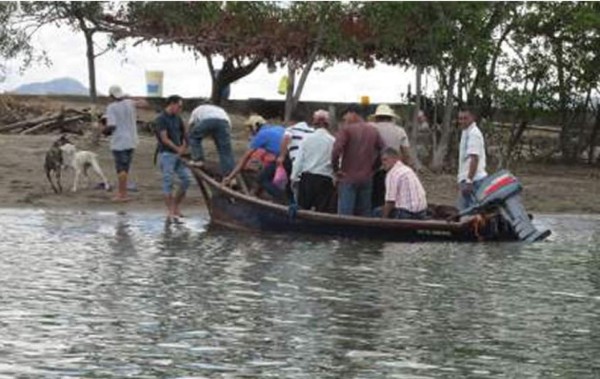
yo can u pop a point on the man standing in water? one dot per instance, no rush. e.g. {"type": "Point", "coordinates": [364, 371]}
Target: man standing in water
{"type": "Point", "coordinates": [471, 159]}
{"type": "Point", "coordinates": [121, 123]}
{"type": "Point", "coordinates": [172, 144]}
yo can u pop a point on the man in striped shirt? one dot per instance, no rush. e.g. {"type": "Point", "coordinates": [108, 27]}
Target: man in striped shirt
{"type": "Point", "coordinates": [404, 193]}
{"type": "Point", "coordinates": [290, 144]}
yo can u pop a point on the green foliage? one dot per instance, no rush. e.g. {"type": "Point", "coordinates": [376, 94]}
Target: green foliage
{"type": "Point", "coordinates": [14, 42]}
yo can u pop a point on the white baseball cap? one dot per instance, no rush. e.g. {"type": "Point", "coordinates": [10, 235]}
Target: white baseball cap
{"type": "Point", "coordinates": [116, 92]}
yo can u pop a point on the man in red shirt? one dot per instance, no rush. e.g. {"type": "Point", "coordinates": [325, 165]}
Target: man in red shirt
{"type": "Point", "coordinates": [357, 145]}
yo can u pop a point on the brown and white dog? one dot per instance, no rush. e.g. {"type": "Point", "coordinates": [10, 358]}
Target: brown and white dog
{"type": "Point", "coordinates": [80, 161]}
{"type": "Point", "coordinates": [53, 163]}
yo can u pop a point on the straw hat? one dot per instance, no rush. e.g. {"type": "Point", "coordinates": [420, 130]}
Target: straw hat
{"type": "Point", "coordinates": [254, 121]}
{"type": "Point", "coordinates": [385, 110]}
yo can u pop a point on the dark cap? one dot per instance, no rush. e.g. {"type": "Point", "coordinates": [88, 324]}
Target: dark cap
{"type": "Point", "coordinates": [353, 108]}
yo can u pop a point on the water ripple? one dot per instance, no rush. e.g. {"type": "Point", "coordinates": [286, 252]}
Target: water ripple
{"type": "Point", "coordinates": [98, 294]}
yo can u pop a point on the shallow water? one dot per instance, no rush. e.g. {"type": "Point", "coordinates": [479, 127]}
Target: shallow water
{"type": "Point", "coordinates": [105, 295]}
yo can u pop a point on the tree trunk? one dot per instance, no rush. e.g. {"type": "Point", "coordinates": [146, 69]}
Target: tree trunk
{"type": "Point", "coordinates": [516, 135]}
{"type": "Point", "coordinates": [289, 93]}
{"type": "Point", "coordinates": [414, 130]}
{"type": "Point", "coordinates": [231, 71]}
{"type": "Point", "coordinates": [91, 61]}
{"type": "Point", "coordinates": [441, 150]}
{"type": "Point", "coordinates": [594, 136]}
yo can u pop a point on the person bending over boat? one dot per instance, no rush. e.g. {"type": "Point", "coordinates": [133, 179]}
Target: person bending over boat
{"type": "Point", "coordinates": [312, 173]}
{"type": "Point", "coordinates": [268, 137]}
{"type": "Point", "coordinates": [211, 120]}
{"type": "Point", "coordinates": [357, 145]}
{"type": "Point", "coordinates": [404, 194]}
{"type": "Point", "coordinates": [471, 159]}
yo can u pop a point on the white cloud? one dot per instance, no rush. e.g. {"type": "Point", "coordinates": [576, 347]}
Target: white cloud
{"type": "Point", "coordinates": [185, 76]}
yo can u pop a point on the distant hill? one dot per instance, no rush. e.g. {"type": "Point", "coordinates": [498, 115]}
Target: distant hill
{"type": "Point", "coordinates": [61, 86]}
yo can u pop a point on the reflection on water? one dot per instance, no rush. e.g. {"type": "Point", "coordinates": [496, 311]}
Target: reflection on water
{"type": "Point", "coordinates": [123, 295]}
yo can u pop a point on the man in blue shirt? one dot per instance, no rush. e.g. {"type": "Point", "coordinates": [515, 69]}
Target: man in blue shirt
{"type": "Point", "coordinates": [172, 144]}
{"type": "Point", "coordinates": [268, 137]}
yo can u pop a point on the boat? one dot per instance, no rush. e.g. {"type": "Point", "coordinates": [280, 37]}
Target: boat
{"type": "Point", "coordinates": [493, 220]}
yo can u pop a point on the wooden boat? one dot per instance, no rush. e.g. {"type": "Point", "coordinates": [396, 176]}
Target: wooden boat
{"type": "Point", "coordinates": [239, 211]}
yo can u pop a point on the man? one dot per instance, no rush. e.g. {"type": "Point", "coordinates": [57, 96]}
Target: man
{"type": "Point", "coordinates": [357, 145]}
{"type": "Point", "coordinates": [171, 147]}
{"type": "Point", "coordinates": [393, 136]}
{"type": "Point", "coordinates": [293, 137]}
{"type": "Point", "coordinates": [312, 171]}
{"type": "Point", "coordinates": [404, 194]}
{"type": "Point", "coordinates": [471, 159]}
{"type": "Point", "coordinates": [268, 137]}
{"type": "Point", "coordinates": [211, 120]}
{"type": "Point", "coordinates": [121, 124]}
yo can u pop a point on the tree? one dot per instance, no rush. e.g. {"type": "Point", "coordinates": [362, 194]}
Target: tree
{"type": "Point", "coordinates": [85, 17]}
{"type": "Point", "coordinates": [14, 41]}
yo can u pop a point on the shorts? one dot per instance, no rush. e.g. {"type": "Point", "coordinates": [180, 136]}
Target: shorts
{"type": "Point", "coordinates": [122, 159]}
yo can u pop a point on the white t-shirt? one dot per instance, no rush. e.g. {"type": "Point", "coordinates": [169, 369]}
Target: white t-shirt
{"type": "Point", "coordinates": [208, 111]}
{"type": "Point", "coordinates": [471, 143]}
{"type": "Point", "coordinates": [122, 115]}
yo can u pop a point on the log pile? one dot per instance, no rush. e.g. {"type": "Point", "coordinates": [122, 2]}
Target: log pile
{"type": "Point", "coordinates": [64, 121]}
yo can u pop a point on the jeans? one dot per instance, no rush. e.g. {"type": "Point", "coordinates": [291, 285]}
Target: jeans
{"type": "Point", "coordinates": [123, 159]}
{"type": "Point", "coordinates": [220, 131]}
{"type": "Point", "coordinates": [466, 201]}
{"type": "Point", "coordinates": [265, 179]}
{"type": "Point", "coordinates": [355, 198]}
{"type": "Point", "coordinates": [171, 165]}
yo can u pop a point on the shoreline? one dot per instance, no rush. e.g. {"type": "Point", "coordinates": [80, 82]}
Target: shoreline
{"type": "Point", "coordinates": [548, 189]}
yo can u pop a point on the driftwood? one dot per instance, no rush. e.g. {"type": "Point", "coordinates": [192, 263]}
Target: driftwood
{"type": "Point", "coordinates": [53, 123]}
{"type": "Point", "coordinates": [68, 120]}
{"type": "Point", "coordinates": [27, 123]}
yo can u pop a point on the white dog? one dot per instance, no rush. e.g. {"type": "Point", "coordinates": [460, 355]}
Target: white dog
{"type": "Point", "coordinates": [80, 161]}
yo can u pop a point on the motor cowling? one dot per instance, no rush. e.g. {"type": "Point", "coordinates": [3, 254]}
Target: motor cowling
{"type": "Point", "coordinates": [502, 191]}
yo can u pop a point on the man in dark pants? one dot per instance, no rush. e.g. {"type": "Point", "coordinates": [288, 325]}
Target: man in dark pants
{"type": "Point", "coordinates": [311, 171]}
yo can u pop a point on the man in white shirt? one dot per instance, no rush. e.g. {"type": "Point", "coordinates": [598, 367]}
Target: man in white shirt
{"type": "Point", "coordinates": [471, 159]}
{"type": "Point", "coordinates": [311, 169]}
{"type": "Point", "coordinates": [121, 124]}
{"type": "Point", "coordinates": [211, 120]}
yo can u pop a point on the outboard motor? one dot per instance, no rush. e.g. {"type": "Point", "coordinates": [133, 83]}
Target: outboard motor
{"type": "Point", "coordinates": [502, 190]}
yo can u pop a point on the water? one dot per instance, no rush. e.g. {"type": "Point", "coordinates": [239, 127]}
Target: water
{"type": "Point", "coordinates": [105, 295]}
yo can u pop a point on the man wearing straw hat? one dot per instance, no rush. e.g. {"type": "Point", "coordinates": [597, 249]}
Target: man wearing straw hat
{"type": "Point", "coordinates": [394, 137]}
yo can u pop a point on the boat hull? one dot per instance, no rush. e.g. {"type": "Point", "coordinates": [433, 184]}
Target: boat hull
{"type": "Point", "coordinates": [234, 210]}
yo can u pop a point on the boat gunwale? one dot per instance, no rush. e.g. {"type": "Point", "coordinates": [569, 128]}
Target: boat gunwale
{"type": "Point", "coordinates": [328, 218]}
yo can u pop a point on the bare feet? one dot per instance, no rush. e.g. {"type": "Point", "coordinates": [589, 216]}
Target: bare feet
{"type": "Point", "coordinates": [121, 199]}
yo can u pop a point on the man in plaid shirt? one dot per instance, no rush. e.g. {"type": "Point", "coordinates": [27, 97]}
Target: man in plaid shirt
{"type": "Point", "coordinates": [404, 193]}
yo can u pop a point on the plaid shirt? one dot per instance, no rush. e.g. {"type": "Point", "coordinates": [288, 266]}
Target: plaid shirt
{"type": "Point", "coordinates": [402, 186]}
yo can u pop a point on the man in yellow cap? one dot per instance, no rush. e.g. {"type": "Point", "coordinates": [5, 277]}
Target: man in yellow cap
{"type": "Point", "coordinates": [268, 137]}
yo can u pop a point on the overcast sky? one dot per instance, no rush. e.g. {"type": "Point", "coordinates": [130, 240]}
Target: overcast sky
{"type": "Point", "coordinates": [185, 76]}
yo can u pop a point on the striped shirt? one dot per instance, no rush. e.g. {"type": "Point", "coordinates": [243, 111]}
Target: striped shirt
{"type": "Point", "coordinates": [403, 187]}
{"type": "Point", "coordinates": [297, 133]}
